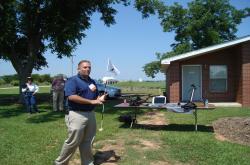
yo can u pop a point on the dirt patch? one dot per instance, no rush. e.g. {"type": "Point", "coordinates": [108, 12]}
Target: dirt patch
{"type": "Point", "coordinates": [167, 163]}
{"type": "Point", "coordinates": [149, 144]}
{"type": "Point", "coordinates": [153, 118]}
{"type": "Point", "coordinates": [143, 144]}
{"type": "Point", "coordinates": [75, 160]}
{"type": "Point", "coordinates": [160, 163]}
{"type": "Point", "coordinates": [106, 152]}
{"type": "Point", "coordinates": [110, 152]}
{"type": "Point", "coordinates": [220, 137]}
{"type": "Point", "coordinates": [234, 129]}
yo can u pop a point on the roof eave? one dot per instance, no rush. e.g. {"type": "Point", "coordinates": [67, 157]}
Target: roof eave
{"type": "Point", "coordinates": [202, 51]}
{"type": "Point", "coordinates": [164, 67]}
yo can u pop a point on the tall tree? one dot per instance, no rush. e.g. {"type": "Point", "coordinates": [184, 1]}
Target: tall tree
{"type": "Point", "coordinates": [30, 27]}
{"type": "Point", "coordinates": [201, 24]}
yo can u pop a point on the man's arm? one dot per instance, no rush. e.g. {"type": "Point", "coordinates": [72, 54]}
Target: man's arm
{"type": "Point", "coordinates": [80, 100]}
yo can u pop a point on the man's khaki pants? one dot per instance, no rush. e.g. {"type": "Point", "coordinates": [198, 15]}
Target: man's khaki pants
{"type": "Point", "coordinates": [58, 97]}
{"type": "Point", "coordinates": [82, 130]}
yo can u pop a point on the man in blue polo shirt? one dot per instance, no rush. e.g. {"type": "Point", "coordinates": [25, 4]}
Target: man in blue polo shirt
{"type": "Point", "coordinates": [82, 94]}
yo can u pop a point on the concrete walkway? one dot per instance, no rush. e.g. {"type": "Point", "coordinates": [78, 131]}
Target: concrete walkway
{"type": "Point", "coordinates": [226, 104]}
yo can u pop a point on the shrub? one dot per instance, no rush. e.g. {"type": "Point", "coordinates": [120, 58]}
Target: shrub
{"type": "Point", "coordinates": [14, 83]}
{"type": "Point", "coordinates": [9, 78]}
{"type": "Point", "coordinates": [13, 79]}
{"type": "Point", "coordinates": [2, 82]}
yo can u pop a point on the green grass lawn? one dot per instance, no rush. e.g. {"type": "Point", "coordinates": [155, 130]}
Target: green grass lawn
{"type": "Point", "coordinates": [14, 90]}
{"type": "Point", "coordinates": [156, 84]}
{"type": "Point", "coordinates": [37, 139]}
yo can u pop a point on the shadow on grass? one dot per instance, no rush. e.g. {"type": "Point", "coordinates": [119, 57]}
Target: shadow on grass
{"type": "Point", "coordinates": [45, 117]}
{"type": "Point", "coordinates": [12, 111]}
{"type": "Point", "coordinates": [170, 127]}
{"type": "Point", "coordinates": [9, 99]}
{"type": "Point", "coordinates": [106, 157]}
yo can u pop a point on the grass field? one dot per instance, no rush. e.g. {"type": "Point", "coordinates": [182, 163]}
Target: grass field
{"type": "Point", "coordinates": [37, 139]}
{"type": "Point", "coordinates": [156, 88]}
{"type": "Point", "coordinates": [14, 90]}
{"type": "Point", "coordinates": [148, 84]}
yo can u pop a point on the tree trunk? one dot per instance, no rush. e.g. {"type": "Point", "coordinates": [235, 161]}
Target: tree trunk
{"type": "Point", "coordinates": [22, 81]}
{"type": "Point", "coordinates": [24, 69]}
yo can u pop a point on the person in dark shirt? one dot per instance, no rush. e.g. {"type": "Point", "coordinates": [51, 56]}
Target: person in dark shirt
{"type": "Point", "coordinates": [82, 95]}
{"type": "Point", "coordinates": [58, 93]}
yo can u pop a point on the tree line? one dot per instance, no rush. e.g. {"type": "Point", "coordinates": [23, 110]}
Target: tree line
{"type": "Point", "coordinates": [13, 80]}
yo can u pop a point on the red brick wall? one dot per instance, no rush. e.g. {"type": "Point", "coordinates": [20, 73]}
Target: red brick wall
{"type": "Point", "coordinates": [246, 74]}
{"type": "Point", "coordinates": [173, 81]}
{"type": "Point", "coordinates": [238, 77]}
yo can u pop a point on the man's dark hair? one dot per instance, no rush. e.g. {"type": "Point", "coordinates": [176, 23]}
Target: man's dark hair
{"type": "Point", "coordinates": [82, 61]}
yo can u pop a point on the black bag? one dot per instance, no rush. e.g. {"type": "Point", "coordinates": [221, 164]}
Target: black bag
{"type": "Point", "coordinates": [125, 118]}
{"type": "Point", "coordinates": [189, 106]}
{"type": "Point", "coordinates": [135, 101]}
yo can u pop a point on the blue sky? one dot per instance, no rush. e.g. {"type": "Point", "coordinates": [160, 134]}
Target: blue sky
{"type": "Point", "coordinates": [129, 44]}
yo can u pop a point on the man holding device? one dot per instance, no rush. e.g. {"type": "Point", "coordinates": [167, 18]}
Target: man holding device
{"type": "Point", "coordinates": [82, 95]}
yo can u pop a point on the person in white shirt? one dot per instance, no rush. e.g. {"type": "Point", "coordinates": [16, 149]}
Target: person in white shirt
{"type": "Point", "coordinates": [29, 90]}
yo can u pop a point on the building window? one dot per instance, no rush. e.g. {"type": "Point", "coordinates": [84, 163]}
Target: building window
{"type": "Point", "coordinates": [218, 78]}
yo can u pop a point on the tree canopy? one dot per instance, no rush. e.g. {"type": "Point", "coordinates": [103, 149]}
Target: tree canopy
{"type": "Point", "coordinates": [201, 24]}
{"type": "Point", "coordinates": [30, 27]}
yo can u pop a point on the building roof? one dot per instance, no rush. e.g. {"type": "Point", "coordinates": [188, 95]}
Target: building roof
{"type": "Point", "coordinates": [166, 62]}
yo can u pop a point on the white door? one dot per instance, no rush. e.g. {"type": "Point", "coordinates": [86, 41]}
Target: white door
{"type": "Point", "coordinates": [191, 74]}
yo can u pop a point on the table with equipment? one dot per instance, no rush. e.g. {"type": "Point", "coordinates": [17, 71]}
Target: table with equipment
{"type": "Point", "coordinates": [172, 107]}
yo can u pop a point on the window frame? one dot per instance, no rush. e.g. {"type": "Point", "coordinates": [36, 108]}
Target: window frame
{"type": "Point", "coordinates": [226, 79]}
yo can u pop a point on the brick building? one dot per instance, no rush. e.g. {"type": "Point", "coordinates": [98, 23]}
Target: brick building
{"type": "Point", "coordinates": [221, 73]}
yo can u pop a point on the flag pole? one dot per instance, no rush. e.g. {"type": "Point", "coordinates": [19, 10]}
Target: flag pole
{"type": "Point", "coordinates": [113, 69]}
{"type": "Point", "coordinates": [105, 91]}
{"type": "Point", "coordinates": [101, 129]}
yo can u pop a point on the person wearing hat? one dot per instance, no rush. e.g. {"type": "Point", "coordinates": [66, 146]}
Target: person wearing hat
{"type": "Point", "coordinates": [29, 90]}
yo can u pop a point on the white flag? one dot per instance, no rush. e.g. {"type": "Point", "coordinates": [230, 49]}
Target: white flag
{"type": "Point", "coordinates": [111, 68]}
